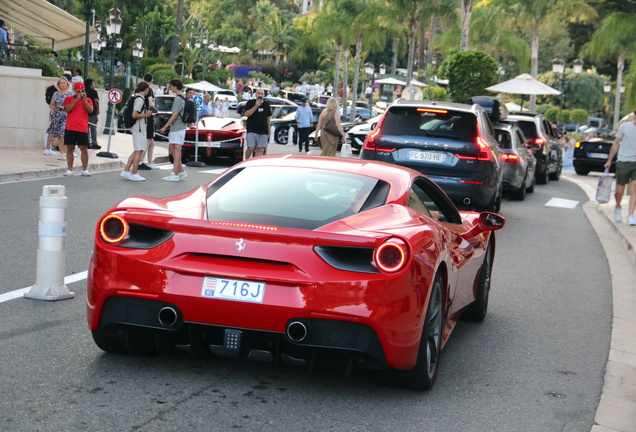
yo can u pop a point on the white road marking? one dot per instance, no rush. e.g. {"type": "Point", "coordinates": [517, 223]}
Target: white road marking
{"type": "Point", "coordinates": [12, 295]}
{"type": "Point", "coordinates": [214, 171]}
{"type": "Point", "coordinates": [562, 203]}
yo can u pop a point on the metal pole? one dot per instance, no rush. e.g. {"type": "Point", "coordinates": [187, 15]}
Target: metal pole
{"type": "Point", "coordinates": [137, 73]}
{"type": "Point", "coordinates": [203, 68]}
{"type": "Point", "coordinates": [88, 4]}
{"type": "Point", "coordinates": [562, 100]}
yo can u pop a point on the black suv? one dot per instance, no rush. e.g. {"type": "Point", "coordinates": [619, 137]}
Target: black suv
{"type": "Point", "coordinates": [543, 141]}
{"type": "Point", "coordinates": [453, 144]}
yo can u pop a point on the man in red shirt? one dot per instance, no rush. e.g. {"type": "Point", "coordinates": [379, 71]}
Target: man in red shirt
{"type": "Point", "coordinates": [76, 134]}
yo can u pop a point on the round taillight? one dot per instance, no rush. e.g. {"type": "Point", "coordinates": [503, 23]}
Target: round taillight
{"type": "Point", "coordinates": [113, 229]}
{"type": "Point", "coordinates": [391, 256]}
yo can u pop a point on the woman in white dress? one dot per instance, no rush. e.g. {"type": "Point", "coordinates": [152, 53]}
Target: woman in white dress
{"type": "Point", "coordinates": [225, 108]}
{"type": "Point", "coordinates": [217, 107]}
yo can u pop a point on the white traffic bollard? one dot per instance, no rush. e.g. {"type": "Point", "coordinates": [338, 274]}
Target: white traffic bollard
{"type": "Point", "coordinates": [271, 135]}
{"type": "Point", "coordinates": [51, 266]}
{"type": "Point", "coordinates": [290, 137]}
{"type": "Point", "coordinates": [345, 151]}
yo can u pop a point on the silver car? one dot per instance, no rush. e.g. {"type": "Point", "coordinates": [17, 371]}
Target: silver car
{"type": "Point", "coordinates": [519, 161]}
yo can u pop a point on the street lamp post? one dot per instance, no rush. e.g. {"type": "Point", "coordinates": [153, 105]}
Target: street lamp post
{"type": "Point", "coordinates": [203, 43]}
{"type": "Point", "coordinates": [369, 69]}
{"type": "Point", "coordinates": [502, 72]}
{"type": "Point", "coordinates": [138, 53]}
{"type": "Point", "coordinates": [113, 27]}
{"type": "Point", "coordinates": [88, 14]}
{"type": "Point", "coordinates": [558, 66]}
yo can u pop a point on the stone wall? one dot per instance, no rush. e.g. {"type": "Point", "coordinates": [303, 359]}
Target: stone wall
{"type": "Point", "coordinates": [24, 115]}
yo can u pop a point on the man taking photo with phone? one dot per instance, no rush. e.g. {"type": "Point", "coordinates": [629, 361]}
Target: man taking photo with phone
{"type": "Point", "coordinates": [259, 115]}
{"type": "Point", "coordinates": [76, 134]}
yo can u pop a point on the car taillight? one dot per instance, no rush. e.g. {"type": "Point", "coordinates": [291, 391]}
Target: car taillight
{"type": "Point", "coordinates": [369, 142]}
{"type": "Point", "coordinates": [113, 229]}
{"type": "Point", "coordinates": [539, 141]}
{"type": "Point", "coordinates": [392, 256]}
{"type": "Point", "coordinates": [484, 150]}
{"type": "Point", "coordinates": [511, 158]}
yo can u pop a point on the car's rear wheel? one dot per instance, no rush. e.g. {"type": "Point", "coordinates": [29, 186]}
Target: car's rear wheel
{"type": "Point", "coordinates": [477, 310]}
{"type": "Point", "coordinates": [282, 135]}
{"type": "Point", "coordinates": [581, 171]}
{"type": "Point", "coordinates": [423, 375]}
{"type": "Point", "coordinates": [531, 187]}
{"type": "Point", "coordinates": [520, 194]}
{"type": "Point", "coordinates": [543, 176]}
{"type": "Point", "coordinates": [557, 174]}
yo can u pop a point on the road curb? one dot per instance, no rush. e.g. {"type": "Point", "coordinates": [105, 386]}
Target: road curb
{"type": "Point", "coordinates": [58, 171]}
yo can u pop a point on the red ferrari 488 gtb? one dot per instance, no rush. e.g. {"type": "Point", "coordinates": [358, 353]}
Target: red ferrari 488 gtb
{"type": "Point", "coordinates": [294, 259]}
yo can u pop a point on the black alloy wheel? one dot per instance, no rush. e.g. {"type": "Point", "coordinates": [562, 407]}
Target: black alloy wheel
{"type": "Point", "coordinates": [557, 174]}
{"type": "Point", "coordinates": [281, 135]}
{"type": "Point", "coordinates": [476, 312]}
{"type": "Point", "coordinates": [520, 194]}
{"type": "Point", "coordinates": [543, 176]}
{"type": "Point", "coordinates": [531, 187]}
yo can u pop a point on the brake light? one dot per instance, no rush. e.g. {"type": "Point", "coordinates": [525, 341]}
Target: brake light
{"type": "Point", "coordinates": [369, 142]}
{"type": "Point", "coordinates": [432, 110]}
{"type": "Point", "coordinates": [392, 256]}
{"type": "Point", "coordinates": [484, 150]}
{"type": "Point", "coordinates": [113, 229]}
{"type": "Point", "coordinates": [384, 149]}
{"type": "Point", "coordinates": [511, 158]}
{"type": "Point", "coordinates": [539, 141]}
{"type": "Point", "coordinates": [471, 182]}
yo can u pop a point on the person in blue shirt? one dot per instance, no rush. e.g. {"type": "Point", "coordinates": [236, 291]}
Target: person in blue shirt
{"type": "Point", "coordinates": [205, 108]}
{"type": "Point", "coordinates": [304, 120]}
{"type": "Point", "coordinates": [4, 40]}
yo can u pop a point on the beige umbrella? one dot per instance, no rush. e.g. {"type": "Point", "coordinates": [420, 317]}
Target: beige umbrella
{"type": "Point", "coordinates": [524, 84]}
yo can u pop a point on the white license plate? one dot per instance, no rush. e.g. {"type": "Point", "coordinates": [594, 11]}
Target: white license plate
{"type": "Point", "coordinates": [231, 289]}
{"type": "Point", "coordinates": [598, 155]}
{"type": "Point", "coordinates": [427, 156]}
{"type": "Point", "coordinates": [209, 144]}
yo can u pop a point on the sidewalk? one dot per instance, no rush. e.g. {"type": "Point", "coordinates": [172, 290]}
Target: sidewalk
{"type": "Point", "coordinates": [30, 163]}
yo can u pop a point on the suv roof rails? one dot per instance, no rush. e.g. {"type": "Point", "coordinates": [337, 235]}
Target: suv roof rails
{"type": "Point", "coordinates": [523, 113]}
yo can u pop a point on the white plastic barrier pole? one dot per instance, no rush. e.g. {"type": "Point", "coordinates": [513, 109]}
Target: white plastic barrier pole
{"type": "Point", "coordinates": [345, 151]}
{"type": "Point", "coordinates": [271, 135]}
{"type": "Point", "coordinates": [51, 265]}
{"type": "Point", "coordinates": [290, 137]}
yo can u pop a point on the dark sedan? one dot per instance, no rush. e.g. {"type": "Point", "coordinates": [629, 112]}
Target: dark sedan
{"type": "Point", "coordinates": [240, 108]}
{"type": "Point", "coordinates": [282, 125]}
{"type": "Point", "coordinates": [591, 155]}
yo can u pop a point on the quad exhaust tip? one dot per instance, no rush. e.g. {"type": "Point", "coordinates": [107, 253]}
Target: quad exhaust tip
{"type": "Point", "coordinates": [296, 331]}
{"type": "Point", "coordinates": [168, 316]}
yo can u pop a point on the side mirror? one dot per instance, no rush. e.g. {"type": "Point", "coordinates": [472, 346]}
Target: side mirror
{"type": "Point", "coordinates": [491, 222]}
{"type": "Point", "coordinates": [373, 126]}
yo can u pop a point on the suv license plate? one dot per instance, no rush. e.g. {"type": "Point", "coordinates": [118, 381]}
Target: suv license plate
{"type": "Point", "coordinates": [427, 156]}
{"type": "Point", "coordinates": [231, 289]}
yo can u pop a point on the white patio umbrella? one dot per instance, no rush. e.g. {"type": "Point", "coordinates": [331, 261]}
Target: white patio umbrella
{"type": "Point", "coordinates": [203, 86]}
{"type": "Point", "coordinates": [391, 81]}
{"type": "Point", "coordinates": [524, 84]}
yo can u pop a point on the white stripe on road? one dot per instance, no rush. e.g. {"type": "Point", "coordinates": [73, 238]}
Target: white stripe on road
{"type": "Point", "coordinates": [214, 171]}
{"type": "Point", "coordinates": [12, 295]}
{"type": "Point", "coordinates": [562, 203]}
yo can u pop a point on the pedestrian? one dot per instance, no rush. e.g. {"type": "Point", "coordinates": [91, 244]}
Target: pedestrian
{"type": "Point", "coordinates": [304, 120]}
{"type": "Point", "coordinates": [259, 116]}
{"type": "Point", "coordinates": [93, 118]}
{"type": "Point", "coordinates": [76, 134]}
{"type": "Point", "coordinates": [225, 108]}
{"type": "Point", "coordinates": [139, 132]}
{"type": "Point", "coordinates": [58, 117]}
{"type": "Point", "coordinates": [625, 146]}
{"type": "Point", "coordinates": [150, 127]}
{"type": "Point", "coordinates": [176, 137]}
{"type": "Point", "coordinates": [77, 77]}
{"type": "Point", "coordinates": [328, 140]}
{"type": "Point", "coordinates": [233, 85]}
{"type": "Point", "coordinates": [330, 89]}
{"type": "Point", "coordinates": [205, 108]}
{"type": "Point", "coordinates": [4, 39]}
{"type": "Point", "coordinates": [246, 95]}
{"type": "Point", "coordinates": [569, 152]}
{"type": "Point", "coordinates": [368, 93]}
{"type": "Point", "coordinates": [239, 86]}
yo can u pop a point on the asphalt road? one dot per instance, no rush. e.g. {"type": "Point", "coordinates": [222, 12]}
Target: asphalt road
{"type": "Point", "coordinates": [535, 364]}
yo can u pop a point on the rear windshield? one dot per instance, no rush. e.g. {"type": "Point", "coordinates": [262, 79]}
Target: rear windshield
{"type": "Point", "coordinates": [504, 139]}
{"type": "Point", "coordinates": [529, 129]}
{"type": "Point", "coordinates": [292, 197]}
{"type": "Point", "coordinates": [164, 103]}
{"type": "Point", "coordinates": [430, 122]}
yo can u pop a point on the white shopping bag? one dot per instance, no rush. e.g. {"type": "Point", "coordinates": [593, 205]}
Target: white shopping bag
{"type": "Point", "coordinates": [604, 188]}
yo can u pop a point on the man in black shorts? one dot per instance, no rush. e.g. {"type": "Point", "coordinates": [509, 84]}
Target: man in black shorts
{"type": "Point", "coordinates": [76, 134]}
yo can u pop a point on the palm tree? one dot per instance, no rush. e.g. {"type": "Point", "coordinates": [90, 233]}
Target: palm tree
{"type": "Point", "coordinates": [615, 37]}
{"type": "Point", "coordinates": [274, 36]}
{"type": "Point", "coordinates": [465, 12]}
{"type": "Point", "coordinates": [177, 33]}
{"type": "Point", "coordinates": [538, 17]}
{"type": "Point", "coordinates": [412, 11]}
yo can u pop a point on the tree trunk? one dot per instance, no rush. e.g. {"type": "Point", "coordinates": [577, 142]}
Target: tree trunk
{"type": "Point", "coordinates": [336, 75]}
{"type": "Point", "coordinates": [466, 10]}
{"type": "Point", "coordinates": [394, 47]}
{"type": "Point", "coordinates": [619, 79]}
{"type": "Point", "coordinates": [356, 76]}
{"type": "Point", "coordinates": [174, 49]}
{"type": "Point", "coordinates": [345, 80]}
{"type": "Point", "coordinates": [431, 39]}
{"type": "Point", "coordinates": [412, 41]}
{"type": "Point", "coordinates": [421, 56]}
{"type": "Point", "coordinates": [534, 65]}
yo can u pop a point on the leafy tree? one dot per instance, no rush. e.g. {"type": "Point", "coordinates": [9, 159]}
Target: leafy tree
{"type": "Point", "coordinates": [469, 73]}
{"type": "Point", "coordinates": [566, 116]}
{"type": "Point", "coordinates": [584, 90]}
{"type": "Point", "coordinates": [552, 114]}
{"type": "Point", "coordinates": [275, 35]}
{"type": "Point", "coordinates": [578, 116]}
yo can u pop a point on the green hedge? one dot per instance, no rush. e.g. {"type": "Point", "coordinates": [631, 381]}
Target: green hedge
{"type": "Point", "coordinates": [163, 76]}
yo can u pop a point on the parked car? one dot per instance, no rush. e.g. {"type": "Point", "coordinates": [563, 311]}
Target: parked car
{"type": "Point", "coordinates": [220, 140]}
{"type": "Point", "coordinates": [519, 162]}
{"type": "Point", "coordinates": [240, 108]}
{"type": "Point", "coordinates": [292, 96]}
{"type": "Point", "coordinates": [365, 113]}
{"type": "Point", "coordinates": [358, 133]}
{"type": "Point", "coordinates": [282, 126]}
{"type": "Point", "coordinates": [296, 260]}
{"type": "Point", "coordinates": [544, 143]}
{"type": "Point", "coordinates": [229, 94]}
{"type": "Point", "coordinates": [591, 155]}
{"type": "Point", "coordinates": [163, 103]}
{"type": "Point", "coordinates": [453, 144]}
{"type": "Point", "coordinates": [280, 111]}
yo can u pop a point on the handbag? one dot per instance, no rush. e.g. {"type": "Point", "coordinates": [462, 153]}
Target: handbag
{"type": "Point", "coordinates": [331, 128]}
{"type": "Point", "coordinates": [604, 188]}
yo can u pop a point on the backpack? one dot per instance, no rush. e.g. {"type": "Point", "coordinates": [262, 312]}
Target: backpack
{"type": "Point", "coordinates": [48, 96]}
{"type": "Point", "coordinates": [189, 114]}
{"type": "Point", "coordinates": [129, 121]}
